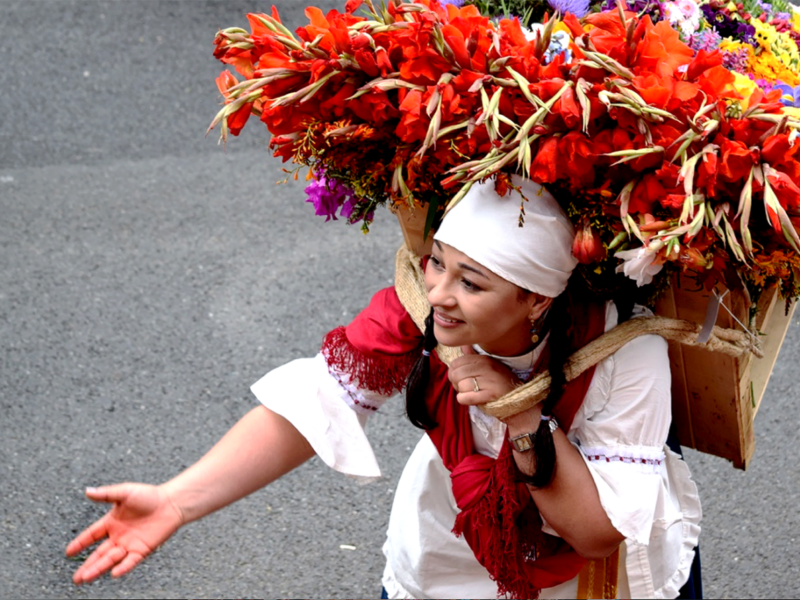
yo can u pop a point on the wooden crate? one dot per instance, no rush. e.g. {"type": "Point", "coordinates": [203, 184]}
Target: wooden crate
{"type": "Point", "coordinates": [412, 223]}
{"type": "Point", "coordinates": [715, 397]}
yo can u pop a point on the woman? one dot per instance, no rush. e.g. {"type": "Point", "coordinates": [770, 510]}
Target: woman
{"type": "Point", "coordinates": [586, 475]}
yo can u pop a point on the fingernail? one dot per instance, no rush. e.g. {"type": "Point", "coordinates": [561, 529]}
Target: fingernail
{"type": "Point", "coordinates": [89, 490]}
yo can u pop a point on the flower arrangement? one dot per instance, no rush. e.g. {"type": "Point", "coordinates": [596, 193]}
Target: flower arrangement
{"type": "Point", "coordinates": [667, 130]}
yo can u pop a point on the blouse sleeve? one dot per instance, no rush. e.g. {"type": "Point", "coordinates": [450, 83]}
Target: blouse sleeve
{"type": "Point", "coordinates": [621, 431]}
{"type": "Point", "coordinates": [329, 397]}
{"type": "Point", "coordinates": [307, 395]}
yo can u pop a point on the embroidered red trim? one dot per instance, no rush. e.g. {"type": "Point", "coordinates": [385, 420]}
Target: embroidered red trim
{"type": "Point", "coordinates": [381, 373]}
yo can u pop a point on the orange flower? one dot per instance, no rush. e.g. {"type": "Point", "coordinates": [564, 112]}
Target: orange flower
{"type": "Point", "coordinates": [661, 49]}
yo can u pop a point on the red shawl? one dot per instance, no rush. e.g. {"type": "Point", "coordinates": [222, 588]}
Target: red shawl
{"type": "Point", "coordinates": [498, 519]}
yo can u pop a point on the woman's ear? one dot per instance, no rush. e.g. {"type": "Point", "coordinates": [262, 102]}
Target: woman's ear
{"type": "Point", "coordinates": [538, 306]}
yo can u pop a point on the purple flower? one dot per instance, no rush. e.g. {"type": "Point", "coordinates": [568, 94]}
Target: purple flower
{"type": "Point", "coordinates": [790, 96]}
{"type": "Point", "coordinates": [456, 3]}
{"type": "Point", "coordinates": [727, 27]}
{"type": "Point", "coordinates": [736, 60]}
{"type": "Point", "coordinates": [707, 40]}
{"type": "Point", "coordinates": [765, 6]}
{"type": "Point", "coordinates": [328, 195]}
{"type": "Point", "coordinates": [579, 8]}
{"type": "Point", "coordinates": [641, 7]}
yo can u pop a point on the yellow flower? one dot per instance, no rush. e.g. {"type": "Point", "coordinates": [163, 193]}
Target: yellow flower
{"type": "Point", "coordinates": [561, 26]}
{"type": "Point", "coordinates": [765, 33]}
{"type": "Point", "coordinates": [792, 111]}
{"type": "Point", "coordinates": [745, 86]}
{"type": "Point", "coordinates": [767, 66]}
{"type": "Point", "coordinates": [779, 44]}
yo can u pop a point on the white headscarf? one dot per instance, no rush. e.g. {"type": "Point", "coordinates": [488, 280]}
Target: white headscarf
{"type": "Point", "coordinates": [536, 257]}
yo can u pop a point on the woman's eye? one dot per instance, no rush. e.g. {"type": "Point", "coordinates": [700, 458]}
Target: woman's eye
{"type": "Point", "coordinates": [470, 286]}
{"type": "Point", "coordinates": [435, 262]}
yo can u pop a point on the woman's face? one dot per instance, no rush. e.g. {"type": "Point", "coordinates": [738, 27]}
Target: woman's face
{"type": "Point", "coordinates": [472, 305]}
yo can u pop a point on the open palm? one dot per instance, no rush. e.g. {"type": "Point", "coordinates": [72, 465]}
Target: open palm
{"type": "Point", "coordinates": [143, 518]}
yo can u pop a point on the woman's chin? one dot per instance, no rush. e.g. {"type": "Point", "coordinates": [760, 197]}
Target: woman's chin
{"type": "Point", "coordinates": [451, 336]}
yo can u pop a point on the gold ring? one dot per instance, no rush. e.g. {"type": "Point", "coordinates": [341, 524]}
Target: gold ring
{"type": "Point", "coordinates": [477, 387]}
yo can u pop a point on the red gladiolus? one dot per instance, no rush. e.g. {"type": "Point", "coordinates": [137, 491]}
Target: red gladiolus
{"type": "Point", "coordinates": [587, 247]}
{"type": "Point", "coordinates": [777, 149]}
{"type": "Point", "coordinates": [648, 191]}
{"type": "Point", "coordinates": [735, 160]}
{"type": "Point", "coordinates": [787, 191]}
{"type": "Point", "coordinates": [702, 63]}
{"type": "Point", "coordinates": [544, 167]}
{"type": "Point", "coordinates": [413, 124]}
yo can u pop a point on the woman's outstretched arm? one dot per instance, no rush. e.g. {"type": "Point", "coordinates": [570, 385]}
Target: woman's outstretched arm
{"type": "Point", "coordinates": [259, 449]}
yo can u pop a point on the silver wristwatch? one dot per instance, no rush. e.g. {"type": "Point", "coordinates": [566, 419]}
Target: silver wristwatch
{"type": "Point", "coordinates": [524, 442]}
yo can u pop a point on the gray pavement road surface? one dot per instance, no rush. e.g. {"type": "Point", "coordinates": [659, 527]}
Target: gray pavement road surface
{"type": "Point", "coordinates": [147, 278]}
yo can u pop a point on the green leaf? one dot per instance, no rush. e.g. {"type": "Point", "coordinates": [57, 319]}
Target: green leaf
{"type": "Point", "coordinates": [430, 218]}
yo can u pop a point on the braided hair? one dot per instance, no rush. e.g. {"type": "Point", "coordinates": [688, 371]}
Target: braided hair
{"type": "Point", "coordinates": [416, 409]}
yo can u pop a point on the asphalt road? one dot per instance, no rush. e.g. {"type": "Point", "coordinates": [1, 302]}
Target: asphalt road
{"type": "Point", "coordinates": [147, 278]}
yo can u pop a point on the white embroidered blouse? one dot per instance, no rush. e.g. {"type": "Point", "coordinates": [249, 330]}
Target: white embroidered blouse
{"type": "Point", "coordinates": [620, 430]}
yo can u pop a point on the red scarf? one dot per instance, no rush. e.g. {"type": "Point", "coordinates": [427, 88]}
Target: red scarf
{"type": "Point", "coordinates": [498, 519]}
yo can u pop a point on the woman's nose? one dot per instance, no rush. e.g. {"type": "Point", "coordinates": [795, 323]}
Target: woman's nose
{"type": "Point", "coordinates": [439, 293]}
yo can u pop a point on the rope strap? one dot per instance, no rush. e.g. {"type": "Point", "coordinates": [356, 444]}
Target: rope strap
{"type": "Point", "coordinates": [410, 286]}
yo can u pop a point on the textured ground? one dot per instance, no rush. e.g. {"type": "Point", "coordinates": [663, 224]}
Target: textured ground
{"type": "Point", "coordinates": [147, 278]}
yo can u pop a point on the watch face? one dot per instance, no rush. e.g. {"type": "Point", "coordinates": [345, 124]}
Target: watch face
{"type": "Point", "coordinates": [523, 443]}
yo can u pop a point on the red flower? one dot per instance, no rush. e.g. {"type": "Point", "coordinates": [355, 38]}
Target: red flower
{"type": "Point", "coordinates": [645, 193]}
{"type": "Point", "coordinates": [777, 149]}
{"type": "Point", "coordinates": [577, 159]}
{"type": "Point", "coordinates": [787, 191]}
{"type": "Point", "coordinates": [735, 160]}
{"type": "Point", "coordinates": [702, 63]}
{"type": "Point", "coordinates": [707, 175]}
{"type": "Point", "coordinates": [587, 246]}
{"type": "Point", "coordinates": [545, 163]}
{"type": "Point", "coordinates": [413, 125]}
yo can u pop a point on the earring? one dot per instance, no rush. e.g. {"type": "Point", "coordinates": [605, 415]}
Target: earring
{"type": "Point", "coordinates": [534, 330]}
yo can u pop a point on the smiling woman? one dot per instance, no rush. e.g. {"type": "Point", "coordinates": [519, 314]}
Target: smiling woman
{"type": "Point", "coordinates": [576, 497]}
{"type": "Point", "coordinates": [471, 303]}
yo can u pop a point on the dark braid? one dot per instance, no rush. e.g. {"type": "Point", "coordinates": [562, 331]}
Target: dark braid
{"type": "Point", "coordinates": [560, 350]}
{"type": "Point", "coordinates": [416, 409]}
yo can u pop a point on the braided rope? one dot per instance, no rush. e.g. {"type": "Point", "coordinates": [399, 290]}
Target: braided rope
{"type": "Point", "coordinates": [410, 286]}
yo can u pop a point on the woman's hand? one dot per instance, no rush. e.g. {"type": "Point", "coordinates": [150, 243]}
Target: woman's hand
{"type": "Point", "coordinates": [143, 518]}
{"type": "Point", "coordinates": [480, 379]}
{"type": "Point", "coordinates": [259, 449]}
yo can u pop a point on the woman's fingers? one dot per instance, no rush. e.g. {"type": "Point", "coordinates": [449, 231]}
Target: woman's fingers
{"type": "Point", "coordinates": [127, 565]}
{"type": "Point", "coordinates": [92, 534]}
{"type": "Point", "coordinates": [469, 366]}
{"type": "Point", "coordinates": [468, 398]}
{"type": "Point", "coordinates": [109, 493]}
{"type": "Point", "coordinates": [98, 553]}
{"type": "Point", "coordinates": [89, 573]}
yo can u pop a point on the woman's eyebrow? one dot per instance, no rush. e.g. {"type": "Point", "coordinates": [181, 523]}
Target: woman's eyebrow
{"type": "Point", "coordinates": [464, 266]}
{"type": "Point", "coordinates": [467, 267]}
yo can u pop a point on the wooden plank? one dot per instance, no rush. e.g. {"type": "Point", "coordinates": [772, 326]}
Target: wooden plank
{"type": "Point", "coordinates": [717, 394]}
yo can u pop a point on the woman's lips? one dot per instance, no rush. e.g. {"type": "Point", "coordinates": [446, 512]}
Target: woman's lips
{"type": "Point", "coordinates": [446, 322]}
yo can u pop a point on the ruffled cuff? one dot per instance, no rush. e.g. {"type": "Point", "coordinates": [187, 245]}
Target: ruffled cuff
{"type": "Point", "coordinates": [311, 399]}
